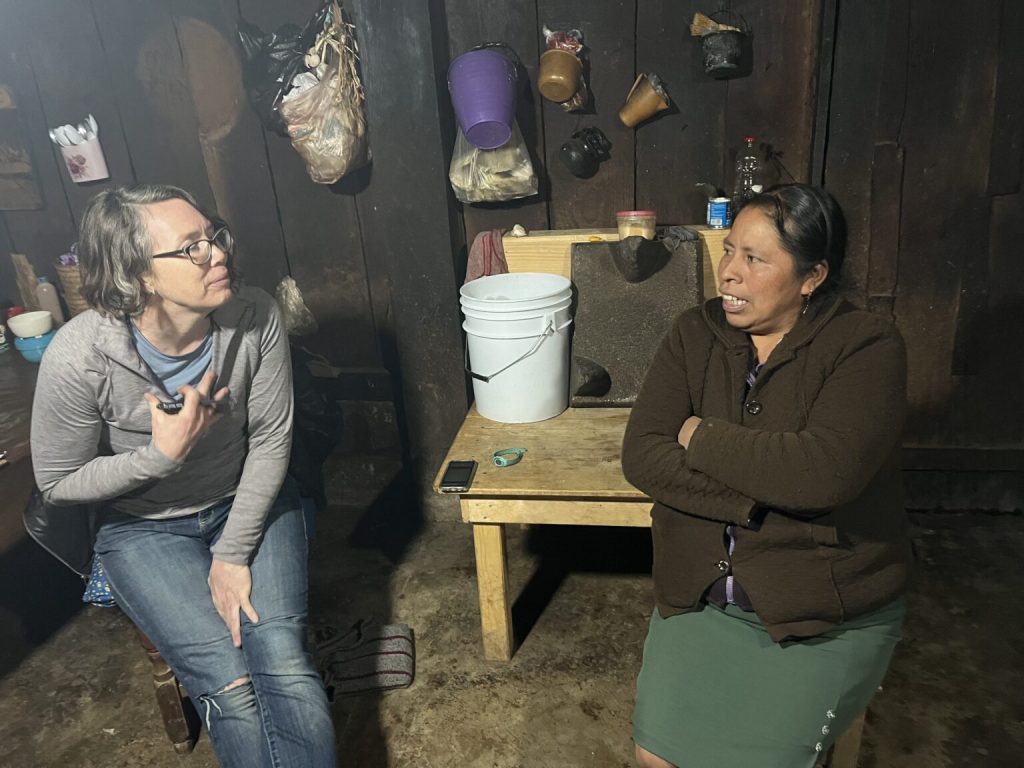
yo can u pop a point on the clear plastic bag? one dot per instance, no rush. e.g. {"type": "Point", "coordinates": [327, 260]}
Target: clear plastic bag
{"type": "Point", "coordinates": [326, 121]}
{"type": "Point", "coordinates": [492, 175]}
{"type": "Point", "coordinates": [298, 319]}
{"type": "Point", "coordinates": [571, 41]}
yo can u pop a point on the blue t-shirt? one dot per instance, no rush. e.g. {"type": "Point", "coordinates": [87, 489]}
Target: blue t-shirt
{"type": "Point", "coordinates": [175, 371]}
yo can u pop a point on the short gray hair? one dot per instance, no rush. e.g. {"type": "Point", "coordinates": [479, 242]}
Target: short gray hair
{"type": "Point", "coordinates": [114, 249]}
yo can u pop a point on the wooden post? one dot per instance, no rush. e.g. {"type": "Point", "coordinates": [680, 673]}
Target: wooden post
{"type": "Point", "coordinates": [846, 750]}
{"type": "Point", "coordinates": [410, 228]}
{"type": "Point", "coordinates": [181, 722]}
{"type": "Point", "coordinates": [27, 281]}
{"type": "Point", "coordinates": [230, 138]}
{"type": "Point", "coordinates": [492, 583]}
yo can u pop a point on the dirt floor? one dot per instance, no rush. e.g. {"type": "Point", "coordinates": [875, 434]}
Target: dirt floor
{"type": "Point", "coordinates": [76, 689]}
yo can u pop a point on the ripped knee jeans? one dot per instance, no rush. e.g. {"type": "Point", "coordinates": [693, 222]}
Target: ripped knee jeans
{"type": "Point", "coordinates": [245, 733]}
{"type": "Point", "coordinates": [264, 703]}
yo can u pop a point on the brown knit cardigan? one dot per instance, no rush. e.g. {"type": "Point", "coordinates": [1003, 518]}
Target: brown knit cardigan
{"type": "Point", "coordinates": [805, 465]}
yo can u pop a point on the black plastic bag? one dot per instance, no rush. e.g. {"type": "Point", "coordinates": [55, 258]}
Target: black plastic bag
{"type": "Point", "coordinates": [318, 425]}
{"type": "Point", "coordinates": [271, 60]}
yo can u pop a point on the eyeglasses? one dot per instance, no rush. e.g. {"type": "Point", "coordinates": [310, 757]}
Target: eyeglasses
{"type": "Point", "coordinates": [201, 251]}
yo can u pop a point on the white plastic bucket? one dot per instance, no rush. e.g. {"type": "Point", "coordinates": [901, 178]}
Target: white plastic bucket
{"type": "Point", "coordinates": [526, 321]}
{"type": "Point", "coordinates": [515, 291]}
{"type": "Point", "coordinates": [517, 334]}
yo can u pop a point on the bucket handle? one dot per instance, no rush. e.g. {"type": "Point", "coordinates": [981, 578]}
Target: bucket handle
{"type": "Point", "coordinates": [731, 15]}
{"type": "Point", "coordinates": [510, 51]}
{"type": "Point", "coordinates": [550, 330]}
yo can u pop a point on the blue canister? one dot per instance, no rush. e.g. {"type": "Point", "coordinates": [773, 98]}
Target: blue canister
{"type": "Point", "coordinates": [719, 212]}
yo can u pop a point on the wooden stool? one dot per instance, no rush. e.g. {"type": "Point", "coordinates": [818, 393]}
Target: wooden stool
{"type": "Point", "coordinates": [181, 721]}
{"type": "Point", "coordinates": [846, 750]}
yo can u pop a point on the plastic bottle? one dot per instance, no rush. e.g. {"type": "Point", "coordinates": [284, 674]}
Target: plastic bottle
{"type": "Point", "coordinates": [47, 296]}
{"type": "Point", "coordinates": [748, 171]}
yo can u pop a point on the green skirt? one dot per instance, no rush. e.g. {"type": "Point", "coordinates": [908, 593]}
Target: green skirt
{"type": "Point", "coordinates": [715, 691]}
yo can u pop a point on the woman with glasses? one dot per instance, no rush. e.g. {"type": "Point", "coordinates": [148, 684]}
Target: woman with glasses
{"type": "Point", "coordinates": [170, 405]}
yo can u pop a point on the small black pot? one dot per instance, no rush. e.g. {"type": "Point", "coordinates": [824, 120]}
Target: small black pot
{"type": "Point", "coordinates": [722, 52]}
{"type": "Point", "coordinates": [583, 153]}
{"type": "Point", "coordinates": [727, 53]}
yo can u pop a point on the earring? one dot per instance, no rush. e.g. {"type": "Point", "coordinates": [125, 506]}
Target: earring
{"type": "Point", "coordinates": [807, 303]}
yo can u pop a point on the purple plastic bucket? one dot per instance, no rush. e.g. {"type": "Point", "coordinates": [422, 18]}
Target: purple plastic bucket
{"type": "Point", "coordinates": [482, 84]}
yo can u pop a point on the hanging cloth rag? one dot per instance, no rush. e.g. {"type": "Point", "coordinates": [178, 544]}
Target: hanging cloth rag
{"type": "Point", "coordinates": [486, 255]}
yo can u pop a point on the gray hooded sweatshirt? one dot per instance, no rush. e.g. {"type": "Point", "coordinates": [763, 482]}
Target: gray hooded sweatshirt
{"type": "Point", "coordinates": [92, 433]}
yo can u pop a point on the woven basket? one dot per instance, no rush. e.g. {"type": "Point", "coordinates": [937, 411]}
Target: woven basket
{"type": "Point", "coordinates": [71, 286]}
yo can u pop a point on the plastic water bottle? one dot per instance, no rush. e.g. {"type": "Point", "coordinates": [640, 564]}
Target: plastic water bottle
{"type": "Point", "coordinates": [47, 296]}
{"type": "Point", "coordinates": [748, 171]}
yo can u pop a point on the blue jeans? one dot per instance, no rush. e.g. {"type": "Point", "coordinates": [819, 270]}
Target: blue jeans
{"type": "Point", "coordinates": [158, 568]}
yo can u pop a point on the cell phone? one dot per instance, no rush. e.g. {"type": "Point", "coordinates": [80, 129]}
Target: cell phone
{"type": "Point", "coordinates": [458, 476]}
{"type": "Point", "coordinates": [176, 405]}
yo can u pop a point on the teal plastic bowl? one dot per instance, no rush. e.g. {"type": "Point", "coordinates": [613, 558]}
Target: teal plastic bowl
{"type": "Point", "coordinates": [32, 348]}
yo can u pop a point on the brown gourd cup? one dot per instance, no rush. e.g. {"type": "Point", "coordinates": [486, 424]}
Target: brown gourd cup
{"type": "Point", "coordinates": [558, 77]}
{"type": "Point", "coordinates": [647, 97]}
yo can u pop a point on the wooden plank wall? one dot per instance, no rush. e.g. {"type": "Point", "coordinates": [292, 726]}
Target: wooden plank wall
{"type": "Point", "coordinates": [688, 145]}
{"type": "Point", "coordinates": [916, 129]}
{"type": "Point", "coordinates": [658, 164]}
{"type": "Point", "coordinates": [52, 229]}
{"type": "Point", "coordinates": [924, 153]}
{"type": "Point", "coordinates": [164, 82]}
{"type": "Point", "coordinates": [408, 224]}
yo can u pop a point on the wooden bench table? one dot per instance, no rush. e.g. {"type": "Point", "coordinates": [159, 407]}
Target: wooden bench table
{"type": "Point", "coordinates": [570, 475]}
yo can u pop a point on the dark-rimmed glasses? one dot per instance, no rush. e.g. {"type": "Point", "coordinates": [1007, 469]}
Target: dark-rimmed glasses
{"type": "Point", "coordinates": [201, 251]}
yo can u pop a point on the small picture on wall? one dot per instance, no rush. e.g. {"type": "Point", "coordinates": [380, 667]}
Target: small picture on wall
{"type": "Point", "coordinates": [19, 190]}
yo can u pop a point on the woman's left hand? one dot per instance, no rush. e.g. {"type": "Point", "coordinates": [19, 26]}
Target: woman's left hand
{"type": "Point", "coordinates": [686, 431]}
{"type": "Point", "coordinates": [230, 587]}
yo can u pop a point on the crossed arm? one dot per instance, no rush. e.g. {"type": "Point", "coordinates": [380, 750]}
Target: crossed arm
{"type": "Point", "coordinates": [726, 470]}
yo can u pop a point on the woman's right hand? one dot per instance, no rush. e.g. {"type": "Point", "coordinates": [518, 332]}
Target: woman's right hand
{"type": "Point", "coordinates": [175, 435]}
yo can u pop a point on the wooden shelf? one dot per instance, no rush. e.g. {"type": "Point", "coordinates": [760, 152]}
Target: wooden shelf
{"type": "Point", "coordinates": [550, 250]}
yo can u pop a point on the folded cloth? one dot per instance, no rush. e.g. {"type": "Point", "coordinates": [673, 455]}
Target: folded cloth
{"type": "Point", "coordinates": [486, 255]}
{"type": "Point", "coordinates": [678, 234]}
{"type": "Point", "coordinates": [366, 658]}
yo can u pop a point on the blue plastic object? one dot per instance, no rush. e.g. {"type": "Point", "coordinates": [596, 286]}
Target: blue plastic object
{"type": "Point", "coordinates": [32, 348]}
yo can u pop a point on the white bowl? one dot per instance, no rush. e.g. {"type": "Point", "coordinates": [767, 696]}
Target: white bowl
{"type": "Point", "coordinates": [29, 324]}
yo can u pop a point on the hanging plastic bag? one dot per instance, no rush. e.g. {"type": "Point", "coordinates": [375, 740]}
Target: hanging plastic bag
{"type": "Point", "coordinates": [298, 319]}
{"type": "Point", "coordinates": [270, 62]}
{"type": "Point", "coordinates": [325, 120]}
{"type": "Point", "coordinates": [492, 175]}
